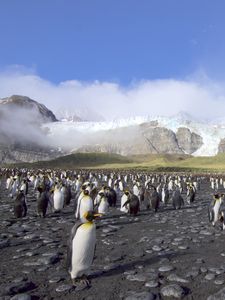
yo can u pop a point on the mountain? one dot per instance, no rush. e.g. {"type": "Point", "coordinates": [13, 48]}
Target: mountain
{"type": "Point", "coordinates": [140, 135]}
{"type": "Point", "coordinates": [29, 131]}
{"type": "Point", "coordinates": [21, 135]}
{"type": "Point", "coordinates": [24, 105]}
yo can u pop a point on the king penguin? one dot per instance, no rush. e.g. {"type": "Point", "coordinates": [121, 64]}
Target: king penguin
{"type": "Point", "coordinates": [214, 208]}
{"type": "Point", "coordinates": [81, 248]}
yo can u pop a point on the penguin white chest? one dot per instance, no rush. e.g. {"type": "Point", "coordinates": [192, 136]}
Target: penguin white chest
{"type": "Point", "coordinates": [86, 204]}
{"type": "Point", "coordinates": [103, 206]}
{"type": "Point", "coordinates": [83, 248]}
{"type": "Point", "coordinates": [216, 209]}
{"type": "Point", "coordinates": [58, 200]}
{"type": "Point", "coordinates": [123, 200]}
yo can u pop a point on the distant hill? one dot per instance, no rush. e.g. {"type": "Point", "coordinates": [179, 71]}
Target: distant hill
{"type": "Point", "coordinates": [79, 160]}
{"type": "Point", "coordinates": [151, 163]}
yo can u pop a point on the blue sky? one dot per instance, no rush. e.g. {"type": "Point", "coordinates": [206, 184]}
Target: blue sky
{"type": "Point", "coordinates": [115, 58]}
{"type": "Point", "coordinates": [113, 40]}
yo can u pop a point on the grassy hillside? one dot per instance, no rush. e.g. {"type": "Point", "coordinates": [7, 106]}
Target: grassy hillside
{"type": "Point", "coordinates": [151, 162]}
{"type": "Point", "coordinates": [78, 160]}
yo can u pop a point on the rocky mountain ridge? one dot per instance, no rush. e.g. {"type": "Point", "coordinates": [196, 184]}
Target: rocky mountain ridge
{"type": "Point", "coordinates": [29, 131]}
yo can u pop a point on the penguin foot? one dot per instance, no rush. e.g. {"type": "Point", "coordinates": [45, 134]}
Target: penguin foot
{"type": "Point", "coordinates": [81, 281]}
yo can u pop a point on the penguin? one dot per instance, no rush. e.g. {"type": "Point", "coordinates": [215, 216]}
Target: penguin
{"type": "Point", "coordinates": [214, 208]}
{"type": "Point", "coordinates": [20, 207]}
{"type": "Point", "coordinates": [67, 195]}
{"type": "Point", "coordinates": [111, 196]}
{"type": "Point", "coordinates": [42, 202]}
{"type": "Point", "coordinates": [85, 203]}
{"type": "Point", "coordinates": [58, 199]}
{"type": "Point", "coordinates": [177, 199]}
{"type": "Point", "coordinates": [103, 204]}
{"type": "Point", "coordinates": [152, 198]}
{"type": "Point", "coordinates": [132, 203]}
{"type": "Point", "coordinates": [190, 193]}
{"type": "Point", "coordinates": [81, 248]}
{"type": "Point", "coordinates": [165, 195]}
{"type": "Point", "coordinates": [124, 199]}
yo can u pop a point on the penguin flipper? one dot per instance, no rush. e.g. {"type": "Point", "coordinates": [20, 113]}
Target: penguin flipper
{"type": "Point", "coordinates": [70, 245]}
{"type": "Point", "coordinates": [127, 202]}
{"type": "Point", "coordinates": [211, 214]}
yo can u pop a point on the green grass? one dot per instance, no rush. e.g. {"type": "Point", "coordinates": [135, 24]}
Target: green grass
{"type": "Point", "coordinates": [151, 162]}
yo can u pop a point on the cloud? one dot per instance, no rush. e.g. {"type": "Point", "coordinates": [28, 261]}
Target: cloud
{"type": "Point", "coordinates": [197, 94]}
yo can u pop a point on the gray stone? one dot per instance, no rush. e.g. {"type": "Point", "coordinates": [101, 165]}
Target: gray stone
{"type": "Point", "coordinates": [140, 296]}
{"type": "Point", "coordinates": [210, 276]}
{"type": "Point", "coordinates": [152, 284]}
{"type": "Point", "coordinates": [136, 277]}
{"type": "Point", "coordinates": [64, 288]}
{"type": "Point", "coordinates": [219, 281]}
{"type": "Point", "coordinates": [167, 268]}
{"type": "Point", "coordinates": [21, 297]}
{"type": "Point", "coordinates": [17, 288]}
{"type": "Point", "coordinates": [173, 290]}
{"type": "Point", "coordinates": [218, 296]}
{"type": "Point", "coordinates": [176, 278]}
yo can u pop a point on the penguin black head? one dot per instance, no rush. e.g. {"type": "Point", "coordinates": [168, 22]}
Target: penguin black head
{"type": "Point", "coordinates": [89, 216]}
{"type": "Point", "coordinates": [127, 193]}
{"type": "Point", "coordinates": [86, 192]}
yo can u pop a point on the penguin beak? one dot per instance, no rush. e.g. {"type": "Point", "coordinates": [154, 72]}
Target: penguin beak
{"type": "Point", "coordinates": [97, 215]}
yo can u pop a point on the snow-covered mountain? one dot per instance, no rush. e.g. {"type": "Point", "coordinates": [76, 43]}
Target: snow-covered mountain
{"type": "Point", "coordinates": [131, 130]}
{"type": "Point", "coordinates": [26, 125]}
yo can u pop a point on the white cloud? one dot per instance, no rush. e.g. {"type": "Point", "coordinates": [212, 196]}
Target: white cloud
{"type": "Point", "coordinates": [197, 95]}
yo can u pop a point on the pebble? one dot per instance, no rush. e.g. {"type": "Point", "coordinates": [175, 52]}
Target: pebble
{"type": "Point", "coordinates": [219, 281]}
{"type": "Point", "coordinates": [152, 284]}
{"type": "Point", "coordinates": [176, 278]}
{"type": "Point", "coordinates": [64, 288]}
{"type": "Point", "coordinates": [156, 248]}
{"type": "Point", "coordinates": [17, 288]}
{"type": "Point", "coordinates": [173, 290]}
{"type": "Point", "coordinates": [210, 276]}
{"type": "Point", "coordinates": [167, 268]}
{"type": "Point", "coordinates": [21, 297]}
{"type": "Point", "coordinates": [140, 296]}
{"type": "Point", "coordinates": [218, 296]}
{"type": "Point", "coordinates": [136, 277]}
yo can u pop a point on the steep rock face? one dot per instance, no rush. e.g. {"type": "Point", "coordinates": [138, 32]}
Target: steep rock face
{"type": "Point", "coordinates": [221, 146]}
{"type": "Point", "coordinates": [188, 141]}
{"type": "Point", "coordinates": [22, 104]}
{"type": "Point", "coordinates": [123, 141]}
{"type": "Point", "coordinates": [160, 139]}
{"type": "Point", "coordinates": [20, 155]}
{"type": "Point", "coordinates": [21, 136]}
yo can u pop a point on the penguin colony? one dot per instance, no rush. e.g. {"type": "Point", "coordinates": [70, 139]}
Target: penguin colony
{"type": "Point", "coordinates": [93, 195]}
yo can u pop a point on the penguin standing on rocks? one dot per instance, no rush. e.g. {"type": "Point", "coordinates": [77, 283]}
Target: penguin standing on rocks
{"type": "Point", "coordinates": [102, 203]}
{"type": "Point", "coordinates": [20, 207]}
{"type": "Point", "coordinates": [214, 208]}
{"type": "Point", "coordinates": [58, 199]}
{"type": "Point", "coordinates": [81, 248]}
{"type": "Point", "coordinates": [85, 203]}
{"type": "Point", "coordinates": [132, 203]}
{"type": "Point", "coordinates": [42, 202]}
{"type": "Point", "coordinates": [177, 199]}
{"type": "Point", "coordinates": [190, 193]}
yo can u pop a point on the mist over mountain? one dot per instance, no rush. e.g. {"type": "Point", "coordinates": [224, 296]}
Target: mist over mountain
{"type": "Point", "coordinates": [32, 132]}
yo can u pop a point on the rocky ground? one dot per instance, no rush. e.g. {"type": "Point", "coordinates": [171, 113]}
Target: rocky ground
{"type": "Point", "coordinates": [167, 255]}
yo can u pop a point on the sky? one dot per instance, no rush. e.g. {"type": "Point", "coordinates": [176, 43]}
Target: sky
{"type": "Point", "coordinates": [115, 58]}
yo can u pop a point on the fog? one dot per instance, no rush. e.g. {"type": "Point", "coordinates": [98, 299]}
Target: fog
{"type": "Point", "coordinates": [197, 95]}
